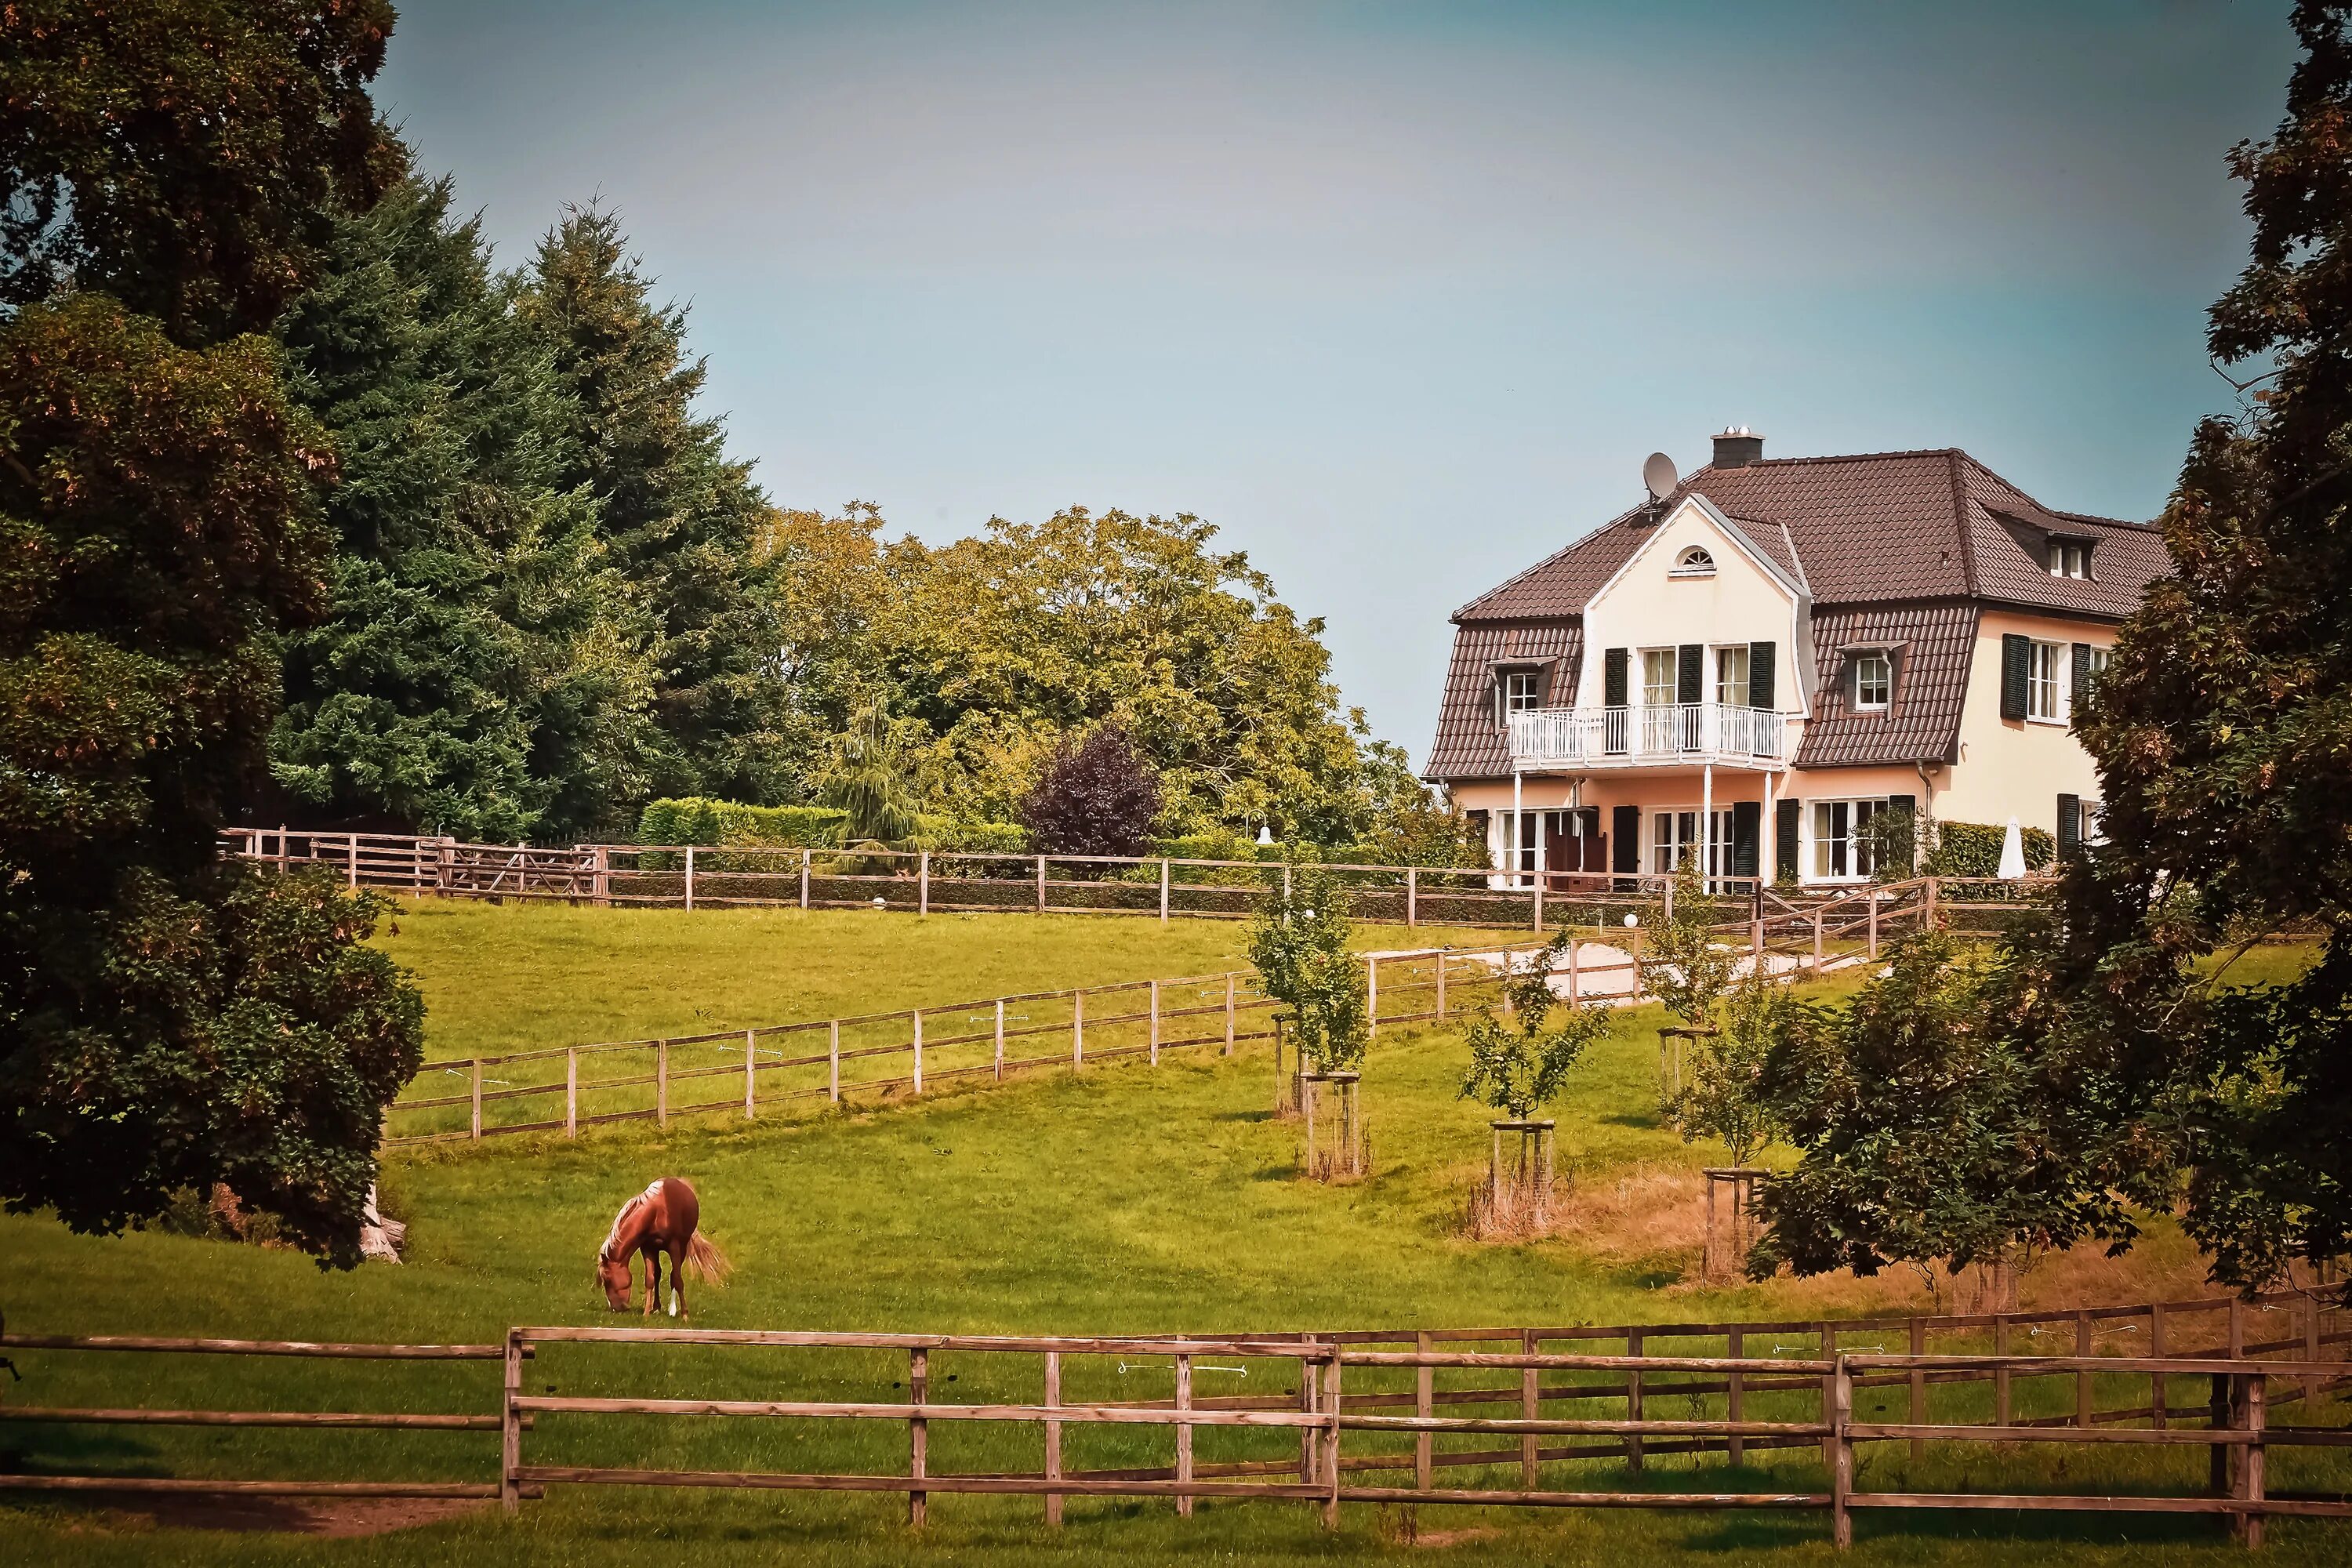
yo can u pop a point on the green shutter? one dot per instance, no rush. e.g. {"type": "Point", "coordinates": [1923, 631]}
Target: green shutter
{"type": "Point", "coordinates": [2069, 825]}
{"type": "Point", "coordinates": [1784, 834]}
{"type": "Point", "coordinates": [1747, 822]}
{"type": "Point", "coordinates": [1760, 674]}
{"type": "Point", "coordinates": [1690, 673]}
{"type": "Point", "coordinates": [1909, 805]}
{"type": "Point", "coordinates": [2016, 662]}
{"type": "Point", "coordinates": [1625, 833]}
{"type": "Point", "coordinates": [1613, 677]}
{"type": "Point", "coordinates": [2082, 677]}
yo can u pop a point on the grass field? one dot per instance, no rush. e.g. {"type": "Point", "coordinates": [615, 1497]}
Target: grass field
{"type": "Point", "coordinates": [1126, 1199]}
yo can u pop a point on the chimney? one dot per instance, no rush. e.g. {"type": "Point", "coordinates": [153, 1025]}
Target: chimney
{"type": "Point", "coordinates": [1738, 446]}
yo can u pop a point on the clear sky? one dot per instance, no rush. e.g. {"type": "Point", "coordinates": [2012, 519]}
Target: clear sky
{"type": "Point", "coordinates": [1397, 296]}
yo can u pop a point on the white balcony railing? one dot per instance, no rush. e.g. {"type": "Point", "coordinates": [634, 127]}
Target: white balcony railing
{"type": "Point", "coordinates": [1645, 737]}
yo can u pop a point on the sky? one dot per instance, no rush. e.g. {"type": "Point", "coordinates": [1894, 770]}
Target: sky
{"type": "Point", "coordinates": [1399, 297]}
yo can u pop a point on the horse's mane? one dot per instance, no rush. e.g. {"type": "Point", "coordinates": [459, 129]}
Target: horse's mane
{"type": "Point", "coordinates": [613, 1237]}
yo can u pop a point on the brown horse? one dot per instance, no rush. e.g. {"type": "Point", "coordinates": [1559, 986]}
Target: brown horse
{"type": "Point", "coordinates": [662, 1218]}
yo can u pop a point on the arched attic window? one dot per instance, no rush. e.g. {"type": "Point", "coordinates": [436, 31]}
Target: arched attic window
{"type": "Point", "coordinates": [1694, 562]}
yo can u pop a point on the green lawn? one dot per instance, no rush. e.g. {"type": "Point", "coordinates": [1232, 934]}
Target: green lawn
{"type": "Point", "coordinates": [1125, 1199]}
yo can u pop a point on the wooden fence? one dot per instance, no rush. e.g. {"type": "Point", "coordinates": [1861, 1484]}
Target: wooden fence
{"type": "Point", "coordinates": [1375, 1415]}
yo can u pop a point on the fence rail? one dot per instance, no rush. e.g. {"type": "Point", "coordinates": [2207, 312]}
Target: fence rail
{"type": "Point", "coordinates": [1349, 1408]}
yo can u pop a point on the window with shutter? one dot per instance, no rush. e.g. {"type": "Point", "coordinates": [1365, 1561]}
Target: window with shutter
{"type": "Point", "coordinates": [1760, 674]}
{"type": "Point", "coordinates": [1614, 664]}
{"type": "Point", "coordinates": [1690, 673]}
{"type": "Point", "coordinates": [1747, 820]}
{"type": "Point", "coordinates": [1789, 813]}
{"type": "Point", "coordinates": [2069, 825]}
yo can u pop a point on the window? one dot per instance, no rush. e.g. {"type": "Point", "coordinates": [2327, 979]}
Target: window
{"type": "Point", "coordinates": [1731, 676]}
{"type": "Point", "coordinates": [1674, 840]}
{"type": "Point", "coordinates": [1516, 691]}
{"type": "Point", "coordinates": [1658, 682]}
{"type": "Point", "coordinates": [1694, 562]}
{"type": "Point", "coordinates": [2045, 682]}
{"type": "Point", "coordinates": [2095, 662]}
{"type": "Point", "coordinates": [1841, 846]}
{"type": "Point", "coordinates": [2069, 558]}
{"type": "Point", "coordinates": [1874, 679]}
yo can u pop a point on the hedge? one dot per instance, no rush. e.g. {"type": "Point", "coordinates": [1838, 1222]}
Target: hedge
{"type": "Point", "coordinates": [1973, 849]}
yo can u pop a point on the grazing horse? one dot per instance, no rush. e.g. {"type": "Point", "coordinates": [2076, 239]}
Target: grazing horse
{"type": "Point", "coordinates": [662, 1218]}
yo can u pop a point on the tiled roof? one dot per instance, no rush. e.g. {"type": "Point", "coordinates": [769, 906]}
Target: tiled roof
{"type": "Point", "coordinates": [1865, 533]}
{"type": "Point", "coordinates": [1922, 720]}
{"type": "Point", "coordinates": [1470, 744]}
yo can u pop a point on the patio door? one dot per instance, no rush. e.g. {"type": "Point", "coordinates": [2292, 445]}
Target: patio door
{"type": "Point", "coordinates": [1675, 841]}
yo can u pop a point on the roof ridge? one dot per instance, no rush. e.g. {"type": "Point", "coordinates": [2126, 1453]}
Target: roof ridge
{"type": "Point", "coordinates": [1839, 458]}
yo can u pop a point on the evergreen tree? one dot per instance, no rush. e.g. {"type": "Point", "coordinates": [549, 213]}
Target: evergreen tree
{"type": "Point", "coordinates": [442, 692]}
{"type": "Point", "coordinates": [679, 521]}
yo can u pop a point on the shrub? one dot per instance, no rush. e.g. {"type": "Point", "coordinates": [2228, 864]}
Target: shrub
{"type": "Point", "coordinates": [696, 820]}
{"type": "Point", "coordinates": [1095, 796]}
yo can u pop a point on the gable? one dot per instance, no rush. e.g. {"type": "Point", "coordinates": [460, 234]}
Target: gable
{"type": "Point", "coordinates": [1651, 600]}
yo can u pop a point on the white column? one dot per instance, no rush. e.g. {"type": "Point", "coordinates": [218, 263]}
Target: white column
{"type": "Point", "coordinates": [1518, 785]}
{"type": "Point", "coordinates": [1768, 837]}
{"type": "Point", "coordinates": [1706, 846]}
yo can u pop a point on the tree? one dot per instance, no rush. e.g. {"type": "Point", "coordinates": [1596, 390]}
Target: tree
{"type": "Point", "coordinates": [1681, 962]}
{"type": "Point", "coordinates": [679, 519]}
{"type": "Point", "coordinates": [869, 781]}
{"type": "Point", "coordinates": [1097, 795]}
{"type": "Point", "coordinates": [1299, 943]}
{"type": "Point", "coordinates": [1724, 1095]}
{"type": "Point", "coordinates": [1520, 1063]}
{"type": "Point", "coordinates": [1946, 1116]}
{"type": "Point", "coordinates": [166, 1019]}
{"type": "Point", "coordinates": [454, 685]}
{"type": "Point", "coordinates": [185, 157]}
{"type": "Point", "coordinates": [2223, 728]}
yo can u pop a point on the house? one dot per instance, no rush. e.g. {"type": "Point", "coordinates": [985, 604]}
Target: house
{"type": "Point", "coordinates": [1754, 664]}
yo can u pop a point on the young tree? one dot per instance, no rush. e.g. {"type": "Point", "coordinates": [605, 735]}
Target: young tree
{"type": "Point", "coordinates": [1519, 1063]}
{"type": "Point", "coordinates": [1096, 795]}
{"type": "Point", "coordinates": [1298, 942]}
{"type": "Point", "coordinates": [869, 781]}
{"type": "Point", "coordinates": [1724, 1097]}
{"type": "Point", "coordinates": [1681, 964]}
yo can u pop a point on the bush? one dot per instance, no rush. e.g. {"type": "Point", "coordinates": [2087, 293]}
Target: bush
{"type": "Point", "coordinates": [1095, 796]}
{"type": "Point", "coordinates": [942, 834]}
{"type": "Point", "coordinates": [1973, 849]}
{"type": "Point", "coordinates": [696, 820]}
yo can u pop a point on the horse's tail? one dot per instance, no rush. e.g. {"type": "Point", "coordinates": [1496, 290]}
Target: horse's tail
{"type": "Point", "coordinates": [707, 1261]}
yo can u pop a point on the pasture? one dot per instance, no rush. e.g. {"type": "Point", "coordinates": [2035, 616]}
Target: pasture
{"type": "Point", "coordinates": [1125, 1199]}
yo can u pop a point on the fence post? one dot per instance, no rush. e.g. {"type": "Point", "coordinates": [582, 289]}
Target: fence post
{"type": "Point", "coordinates": [2155, 1348]}
{"type": "Point", "coordinates": [1371, 995]}
{"type": "Point", "coordinates": [1077, 1030]}
{"type": "Point", "coordinates": [1840, 1415]}
{"type": "Point", "coordinates": [1575, 975]}
{"type": "Point", "coordinates": [2221, 1414]}
{"type": "Point", "coordinates": [601, 887]}
{"type": "Point", "coordinates": [2084, 1398]}
{"type": "Point", "coordinates": [1918, 1385]}
{"type": "Point", "coordinates": [833, 1062]}
{"type": "Point", "coordinates": [1000, 1039]}
{"type": "Point", "coordinates": [511, 1427]}
{"type": "Point", "coordinates": [1736, 1395]}
{"type": "Point", "coordinates": [1817, 942]}
{"type": "Point", "coordinates": [1183, 1431]}
{"type": "Point", "coordinates": [919, 1433]}
{"type": "Point", "coordinates": [1411, 918]}
{"type": "Point", "coordinates": [1163, 920]}
{"type": "Point", "coordinates": [1331, 1439]}
{"type": "Point", "coordinates": [1530, 1407]}
{"type": "Point", "coordinates": [1155, 1022]}
{"type": "Point", "coordinates": [1872, 897]}
{"type": "Point", "coordinates": [1309, 1402]}
{"type": "Point", "coordinates": [1285, 881]}
{"type": "Point", "coordinates": [1829, 1391]}
{"type": "Point", "coordinates": [661, 1083]}
{"type": "Point", "coordinates": [1633, 1343]}
{"type": "Point", "coordinates": [477, 1100]}
{"type": "Point", "coordinates": [1053, 1436]}
{"type": "Point", "coordinates": [571, 1092]}
{"type": "Point", "coordinates": [918, 1050]}
{"type": "Point", "coordinates": [2311, 1347]}
{"type": "Point", "coordinates": [352, 843]}
{"type": "Point", "coordinates": [1441, 957]}
{"type": "Point", "coordinates": [2251, 1468]}
{"type": "Point", "coordinates": [923, 883]}
{"type": "Point", "coordinates": [1041, 884]}
{"type": "Point", "coordinates": [751, 1065]}
{"type": "Point", "coordinates": [689, 877]}
{"type": "Point", "coordinates": [1229, 1012]}
{"type": "Point", "coordinates": [2237, 1327]}
{"type": "Point", "coordinates": [805, 878]}
{"type": "Point", "coordinates": [2001, 1401]}
{"type": "Point", "coordinates": [1424, 1405]}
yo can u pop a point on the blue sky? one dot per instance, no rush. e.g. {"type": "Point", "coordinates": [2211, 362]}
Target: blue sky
{"type": "Point", "coordinates": [1397, 296]}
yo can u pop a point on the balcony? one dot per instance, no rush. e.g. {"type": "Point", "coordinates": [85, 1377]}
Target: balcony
{"type": "Point", "coordinates": [1679, 735]}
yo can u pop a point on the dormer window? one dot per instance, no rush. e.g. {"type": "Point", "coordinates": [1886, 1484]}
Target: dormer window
{"type": "Point", "coordinates": [1694, 562]}
{"type": "Point", "coordinates": [2070, 557]}
{"type": "Point", "coordinates": [1874, 679]}
{"type": "Point", "coordinates": [1516, 691]}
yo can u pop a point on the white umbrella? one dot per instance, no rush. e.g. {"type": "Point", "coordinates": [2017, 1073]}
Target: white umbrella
{"type": "Point", "coordinates": [2013, 853]}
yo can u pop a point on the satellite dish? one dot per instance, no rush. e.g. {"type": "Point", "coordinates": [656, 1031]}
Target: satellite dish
{"type": "Point", "coordinates": [1659, 474]}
